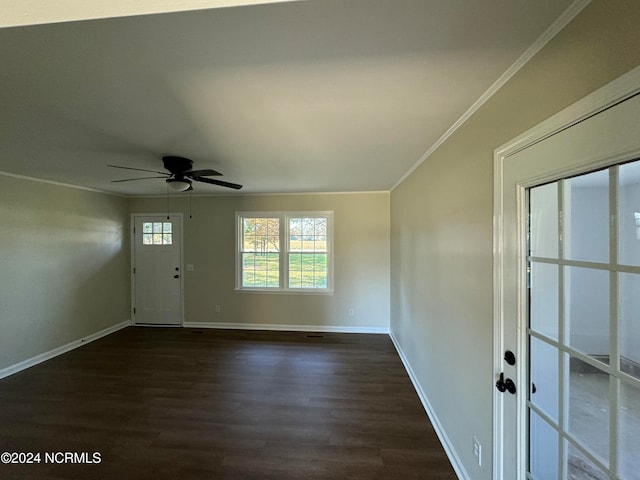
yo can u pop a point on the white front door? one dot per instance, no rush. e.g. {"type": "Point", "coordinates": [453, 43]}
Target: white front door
{"type": "Point", "coordinates": [566, 299]}
{"type": "Point", "coordinates": [157, 270]}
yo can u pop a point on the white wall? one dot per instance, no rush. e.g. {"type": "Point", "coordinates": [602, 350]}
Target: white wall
{"type": "Point", "coordinates": [64, 258]}
{"type": "Point", "coordinates": [361, 261]}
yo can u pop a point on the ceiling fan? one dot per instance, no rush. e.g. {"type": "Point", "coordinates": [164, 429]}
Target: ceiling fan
{"type": "Point", "coordinates": [180, 174]}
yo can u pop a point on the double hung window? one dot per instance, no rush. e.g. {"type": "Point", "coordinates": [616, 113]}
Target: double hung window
{"type": "Point", "coordinates": [284, 251]}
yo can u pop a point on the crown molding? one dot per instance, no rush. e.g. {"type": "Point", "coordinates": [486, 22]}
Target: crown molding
{"type": "Point", "coordinates": [59, 184]}
{"type": "Point", "coordinates": [38, 12]}
{"type": "Point", "coordinates": [562, 21]}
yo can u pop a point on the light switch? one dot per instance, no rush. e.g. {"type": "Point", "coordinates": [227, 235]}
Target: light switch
{"type": "Point", "coordinates": [189, 267]}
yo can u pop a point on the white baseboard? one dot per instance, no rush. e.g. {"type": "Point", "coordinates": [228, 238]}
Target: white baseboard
{"type": "Point", "coordinates": [442, 435]}
{"type": "Point", "coordinates": [30, 362]}
{"type": "Point", "coordinates": [286, 328]}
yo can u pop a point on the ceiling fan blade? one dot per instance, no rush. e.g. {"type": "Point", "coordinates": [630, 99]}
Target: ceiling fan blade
{"type": "Point", "coordinates": [132, 179]}
{"type": "Point", "coordinates": [140, 170]}
{"type": "Point", "coordinates": [218, 182]}
{"type": "Point", "coordinates": [202, 173]}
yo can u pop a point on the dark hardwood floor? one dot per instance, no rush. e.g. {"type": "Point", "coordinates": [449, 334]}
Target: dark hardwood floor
{"type": "Point", "coordinates": [162, 403]}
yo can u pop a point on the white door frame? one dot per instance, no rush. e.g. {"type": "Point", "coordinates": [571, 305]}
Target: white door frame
{"type": "Point", "coordinates": [611, 94]}
{"type": "Point", "coordinates": [133, 261]}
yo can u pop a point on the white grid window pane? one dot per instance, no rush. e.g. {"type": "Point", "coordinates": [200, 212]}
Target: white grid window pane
{"type": "Point", "coordinates": [629, 214]}
{"type": "Point", "coordinates": [586, 217]}
{"type": "Point", "coordinates": [589, 408]}
{"type": "Point", "coordinates": [598, 287]}
{"type": "Point", "coordinates": [307, 270]}
{"type": "Point", "coordinates": [629, 430]}
{"type": "Point", "coordinates": [260, 252]}
{"type": "Point", "coordinates": [544, 221]}
{"type": "Point", "coordinates": [308, 258]}
{"type": "Point", "coordinates": [157, 233]}
{"type": "Point", "coordinates": [543, 457]}
{"type": "Point", "coordinates": [284, 251]}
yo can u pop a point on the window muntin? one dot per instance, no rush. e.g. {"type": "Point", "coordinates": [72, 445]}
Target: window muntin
{"type": "Point", "coordinates": [157, 233]}
{"type": "Point", "coordinates": [284, 251]}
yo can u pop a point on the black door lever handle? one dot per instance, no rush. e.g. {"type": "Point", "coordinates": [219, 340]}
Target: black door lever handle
{"type": "Point", "coordinates": [505, 385]}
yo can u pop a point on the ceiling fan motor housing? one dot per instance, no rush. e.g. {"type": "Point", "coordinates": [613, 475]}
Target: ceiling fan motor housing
{"type": "Point", "coordinates": [177, 165]}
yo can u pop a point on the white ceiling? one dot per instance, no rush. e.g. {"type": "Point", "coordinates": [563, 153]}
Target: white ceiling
{"type": "Point", "coordinates": [306, 96]}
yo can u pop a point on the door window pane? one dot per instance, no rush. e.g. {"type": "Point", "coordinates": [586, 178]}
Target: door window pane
{"type": "Point", "coordinates": [629, 323]}
{"type": "Point", "coordinates": [544, 377]}
{"type": "Point", "coordinates": [543, 448]}
{"type": "Point", "coordinates": [157, 233]}
{"type": "Point", "coordinates": [587, 311]}
{"type": "Point", "coordinates": [579, 467]}
{"type": "Point", "coordinates": [586, 217]}
{"type": "Point", "coordinates": [544, 299]}
{"type": "Point", "coordinates": [629, 214]}
{"type": "Point", "coordinates": [629, 431]}
{"type": "Point", "coordinates": [589, 397]}
{"type": "Point", "coordinates": [544, 221]}
{"type": "Point", "coordinates": [589, 407]}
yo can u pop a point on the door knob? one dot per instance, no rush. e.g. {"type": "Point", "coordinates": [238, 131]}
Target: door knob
{"type": "Point", "coordinates": [505, 385]}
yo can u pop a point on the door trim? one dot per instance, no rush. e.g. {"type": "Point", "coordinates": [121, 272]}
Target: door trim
{"type": "Point", "coordinates": [615, 92]}
{"type": "Point", "coordinates": [133, 264]}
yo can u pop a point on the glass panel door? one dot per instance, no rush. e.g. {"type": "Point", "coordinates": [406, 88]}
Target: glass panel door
{"type": "Point", "coordinates": [584, 326]}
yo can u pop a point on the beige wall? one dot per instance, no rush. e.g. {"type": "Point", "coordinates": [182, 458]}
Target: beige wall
{"type": "Point", "coordinates": [64, 259]}
{"type": "Point", "coordinates": [441, 223]}
{"type": "Point", "coordinates": [361, 259]}
{"type": "Point", "coordinates": [64, 252]}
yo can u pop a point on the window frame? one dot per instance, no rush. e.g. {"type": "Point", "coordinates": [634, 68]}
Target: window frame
{"type": "Point", "coordinates": [284, 252]}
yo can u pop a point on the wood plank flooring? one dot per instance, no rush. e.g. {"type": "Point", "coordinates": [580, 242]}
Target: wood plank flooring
{"type": "Point", "coordinates": [162, 403]}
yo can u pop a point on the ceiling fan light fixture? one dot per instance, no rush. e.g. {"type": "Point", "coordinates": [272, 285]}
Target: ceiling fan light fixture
{"type": "Point", "coordinates": [179, 185]}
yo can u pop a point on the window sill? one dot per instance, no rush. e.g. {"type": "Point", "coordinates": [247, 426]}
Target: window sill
{"type": "Point", "coordinates": [282, 291]}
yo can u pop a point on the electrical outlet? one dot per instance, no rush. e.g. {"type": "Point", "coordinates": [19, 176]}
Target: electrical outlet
{"type": "Point", "coordinates": [352, 312]}
{"type": "Point", "coordinates": [477, 450]}
{"type": "Point", "coordinates": [218, 309]}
